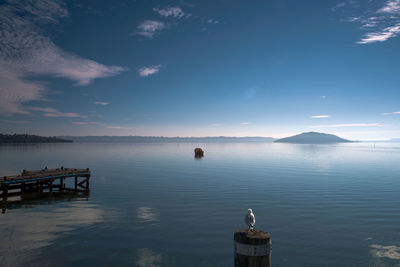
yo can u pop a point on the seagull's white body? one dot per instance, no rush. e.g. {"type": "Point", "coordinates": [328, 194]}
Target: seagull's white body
{"type": "Point", "coordinates": [250, 219]}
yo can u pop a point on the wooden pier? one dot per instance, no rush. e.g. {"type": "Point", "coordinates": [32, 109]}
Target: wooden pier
{"type": "Point", "coordinates": [45, 180]}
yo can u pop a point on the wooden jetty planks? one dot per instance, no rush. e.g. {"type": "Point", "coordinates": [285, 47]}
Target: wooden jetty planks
{"type": "Point", "coordinates": [39, 180]}
{"type": "Point", "coordinates": [44, 174]}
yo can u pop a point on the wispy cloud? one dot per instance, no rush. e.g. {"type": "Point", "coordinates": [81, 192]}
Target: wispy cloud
{"type": "Point", "coordinates": [15, 90]}
{"type": "Point", "coordinates": [26, 51]}
{"type": "Point", "coordinates": [120, 127]}
{"type": "Point", "coordinates": [147, 71]}
{"type": "Point", "coordinates": [216, 124]}
{"type": "Point", "coordinates": [101, 103]}
{"type": "Point", "coordinates": [52, 112]}
{"type": "Point", "coordinates": [320, 116]}
{"type": "Point", "coordinates": [392, 113]}
{"type": "Point", "coordinates": [245, 123]}
{"type": "Point", "coordinates": [170, 11]}
{"type": "Point", "coordinates": [323, 96]}
{"type": "Point", "coordinates": [381, 24]}
{"type": "Point", "coordinates": [349, 125]}
{"type": "Point", "coordinates": [149, 28]}
{"type": "Point", "coordinates": [380, 36]}
{"type": "Point", "coordinates": [86, 123]}
{"type": "Point", "coordinates": [391, 6]}
{"type": "Point", "coordinates": [212, 21]}
{"type": "Point", "coordinates": [338, 6]}
{"type": "Point", "coordinates": [378, 132]}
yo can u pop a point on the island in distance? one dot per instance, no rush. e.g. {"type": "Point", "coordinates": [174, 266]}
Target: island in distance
{"type": "Point", "coordinates": [313, 138]}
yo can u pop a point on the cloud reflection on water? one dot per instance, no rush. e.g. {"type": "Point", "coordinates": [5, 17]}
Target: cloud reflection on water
{"type": "Point", "coordinates": [148, 258]}
{"type": "Point", "coordinates": [146, 214]}
{"type": "Point", "coordinates": [390, 252]}
{"type": "Point", "coordinates": [26, 231]}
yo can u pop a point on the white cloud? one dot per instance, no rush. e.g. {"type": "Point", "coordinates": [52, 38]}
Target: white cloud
{"type": "Point", "coordinates": [323, 96]}
{"type": "Point", "coordinates": [86, 123]}
{"type": "Point", "coordinates": [149, 28]}
{"type": "Point", "coordinates": [147, 71]}
{"type": "Point", "coordinates": [26, 51]}
{"type": "Point", "coordinates": [390, 252]}
{"type": "Point", "coordinates": [392, 113]}
{"type": "Point", "coordinates": [170, 11]}
{"type": "Point", "coordinates": [216, 124]}
{"type": "Point", "coordinates": [349, 125]}
{"type": "Point", "coordinates": [320, 116]}
{"type": "Point", "coordinates": [381, 24]}
{"type": "Point", "coordinates": [52, 112]}
{"type": "Point", "coordinates": [212, 21]}
{"type": "Point", "coordinates": [392, 6]}
{"type": "Point", "coordinates": [15, 90]}
{"type": "Point", "coordinates": [245, 123]}
{"type": "Point", "coordinates": [101, 103]}
{"type": "Point", "coordinates": [120, 127]}
{"type": "Point", "coordinates": [353, 19]}
{"type": "Point", "coordinates": [369, 132]}
{"type": "Point", "coordinates": [338, 6]}
{"type": "Point", "coordinates": [380, 36]}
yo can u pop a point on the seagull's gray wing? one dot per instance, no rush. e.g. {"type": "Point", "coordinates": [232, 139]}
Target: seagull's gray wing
{"type": "Point", "coordinates": [253, 219]}
{"type": "Point", "coordinates": [250, 220]}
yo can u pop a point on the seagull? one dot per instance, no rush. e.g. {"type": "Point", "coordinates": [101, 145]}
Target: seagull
{"type": "Point", "coordinates": [250, 219]}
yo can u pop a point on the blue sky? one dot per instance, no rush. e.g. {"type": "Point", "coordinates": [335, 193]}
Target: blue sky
{"type": "Point", "coordinates": [200, 68]}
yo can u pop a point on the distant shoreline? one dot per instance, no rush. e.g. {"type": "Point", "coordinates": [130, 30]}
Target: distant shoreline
{"type": "Point", "coordinates": [162, 139]}
{"type": "Point", "coordinates": [35, 139]}
{"type": "Point", "coordinates": [30, 139]}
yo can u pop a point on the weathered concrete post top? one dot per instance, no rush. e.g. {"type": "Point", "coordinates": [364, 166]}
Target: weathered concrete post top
{"type": "Point", "coordinates": [252, 248]}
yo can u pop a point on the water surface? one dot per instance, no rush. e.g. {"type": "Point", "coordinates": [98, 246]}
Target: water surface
{"type": "Point", "coordinates": [155, 205]}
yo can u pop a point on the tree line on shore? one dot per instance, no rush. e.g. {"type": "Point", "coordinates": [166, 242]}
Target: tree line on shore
{"type": "Point", "coordinates": [28, 138]}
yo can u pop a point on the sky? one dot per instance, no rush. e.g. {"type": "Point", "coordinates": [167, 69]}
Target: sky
{"type": "Point", "coordinates": [200, 68]}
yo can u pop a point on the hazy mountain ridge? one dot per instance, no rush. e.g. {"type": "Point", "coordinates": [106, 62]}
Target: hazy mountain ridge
{"type": "Point", "coordinates": [162, 139]}
{"type": "Point", "coordinates": [313, 138]}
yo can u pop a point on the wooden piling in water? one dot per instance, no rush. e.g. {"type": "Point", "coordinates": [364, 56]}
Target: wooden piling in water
{"type": "Point", "coordinates": [5, 192]}
{"type": "Point", "coordinates": [252, 248]}
{"type": "Point", "coordinates": [198, 152]}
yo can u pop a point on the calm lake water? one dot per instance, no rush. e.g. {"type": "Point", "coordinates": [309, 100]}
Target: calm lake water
{"type": "Point", "coordinates": [155, 205]}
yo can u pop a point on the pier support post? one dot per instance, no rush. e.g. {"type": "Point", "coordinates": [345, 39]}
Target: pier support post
{"type": "Point", "coordinates": [76, 183]}
{"type": "Point", "coordinates": [5, 192]}
{"type": "Point", "coordinates": [252, 249]}
{"type": "Point", "coordinates": [87, 182]}
{"type": "Point", "coordinates": [51, 186]}
{"type": "Point", "coordinates": [22, 188]}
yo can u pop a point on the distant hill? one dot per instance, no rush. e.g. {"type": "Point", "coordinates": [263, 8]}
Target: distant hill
{"type": "Point", "coordinates": [27, 138]}
{"type": "Point", "coordinates": [313, 138]}
{"type": "Point", "coordinates": [161, 139]}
